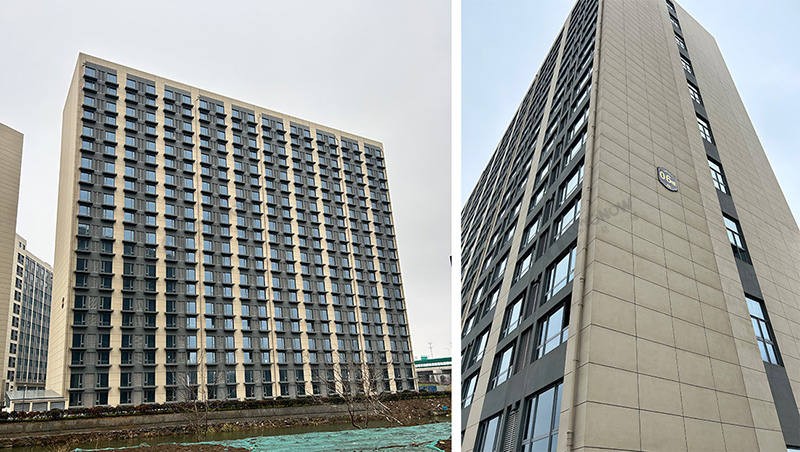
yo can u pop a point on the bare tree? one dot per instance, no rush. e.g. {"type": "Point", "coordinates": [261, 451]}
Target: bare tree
{"type": "Point", "coordinates": [193, 387]}
{"type": "Point", "coordinates": [360, 385]}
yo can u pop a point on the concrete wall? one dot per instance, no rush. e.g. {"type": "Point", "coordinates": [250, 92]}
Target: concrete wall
{"type": "Point", "coordinates": [10, 167]}
{"type": "Point", "coordinates": [664, 346]}
{"type": "Point", "coordinates": [11, 430]}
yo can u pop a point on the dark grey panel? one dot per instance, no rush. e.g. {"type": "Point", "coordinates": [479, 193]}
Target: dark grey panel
{"type": "Point", "coordinates": [711, 150]}
{"type": "Point", "coordinates": [785, 403]}
{"type": "Point", "coordinates": [749, 280]}
{"type": "Point", "coordinates": [726, 204]}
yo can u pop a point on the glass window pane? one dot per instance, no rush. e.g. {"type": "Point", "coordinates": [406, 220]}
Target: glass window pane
{"type": "Point", "coordinates": [491, 434]}
{"type": "Point", "coordinates": [560, 273]}
{"type": "Point", "coordinates": [554, 323]}
{"type": "Point", "coordinates": [755, 308]}
{"type": "Point", "coordinates": [730, 224]}
{"type": "Point", "coordinates": [762, 348]}
{"type": "Point", "coordinates": [756, 328]}
{"type": "Point", "coordinates": [765, 331]}
{"type": "Point", "coordinates": [541, 445]}
{"type": "Point", "coordinates": [551, 345]}
{"type": "Point", "coordinates": [771, 352]}
{"type": "Point", "coordinates": [544, 414]}
{"type": "Point", "coordinates": [558, 410]}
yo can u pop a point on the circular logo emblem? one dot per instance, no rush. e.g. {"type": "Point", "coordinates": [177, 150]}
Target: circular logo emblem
{"type": "Point", "coordinates": [667, 179]}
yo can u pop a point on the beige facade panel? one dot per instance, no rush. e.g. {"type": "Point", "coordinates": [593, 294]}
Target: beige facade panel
{"type": "Point", "coordinates": [10, 167]}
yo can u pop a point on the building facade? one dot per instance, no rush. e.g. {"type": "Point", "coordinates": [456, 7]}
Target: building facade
{"type": "Point", "coordinates": [434, 374]}
{"type": "Point", "coordinates": [211, 248]}
{"type": "Point", "coordinates": [10, 167]}
{"type": "Point", "coordinates": [29, 335]}
{"type": "Point", "coordinates": [631, 269]}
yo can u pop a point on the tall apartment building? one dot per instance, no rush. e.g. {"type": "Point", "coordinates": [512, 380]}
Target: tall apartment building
{"type": "Point", "coordinates": [10, 167]}
{"type": "Point", "coordinates": [29, 332]}
{"type": "Point", "coordinates": [208, 247]}
{"type": "Point", "coordinates": [631, 269]}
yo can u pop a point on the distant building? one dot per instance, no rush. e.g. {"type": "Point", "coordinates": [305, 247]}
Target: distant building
{"type": "Point", "coordinates": [33, 400]}
{"type": "Point", "coordinates": [10, 165]}
{"type": "Point", "coordinates": [29, 334]}
{"type": "Point", "coordinates": [434, 374]}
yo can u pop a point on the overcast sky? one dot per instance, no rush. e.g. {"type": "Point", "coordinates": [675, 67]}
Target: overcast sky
{"type": "Point", "coordinates": [505, 42]}
{"type": "Point", "coordinates": [376, 69]}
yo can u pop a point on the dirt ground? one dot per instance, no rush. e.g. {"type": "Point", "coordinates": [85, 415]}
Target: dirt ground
{"type": "Point", "coordinates": [407, 411]}
{"type": "Point", "coordinates": [190, 448]}
{"type": "Point", "coordinates": [446, 445]}
{"type": "Point", "coordinates": [443, 445]}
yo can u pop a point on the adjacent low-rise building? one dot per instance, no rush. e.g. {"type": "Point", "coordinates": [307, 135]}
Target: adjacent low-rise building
{"type": "Point", "coordinates": [29, 335]}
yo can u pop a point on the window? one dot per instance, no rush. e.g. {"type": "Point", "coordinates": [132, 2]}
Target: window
{"type": "Point", "coordinates": [675, 22]}
{"type": "Point", "coordinates": [570, 185]}
{"type": "Point", "coordinates": [680, 41]}
{"type": "Point", "coordinates": [578, 124]}
{"type": "Point", "coordinates": [502, 367]}
{"type": "Point", "coordinates": [687, 66]}
{"type": "Point", "coordinates": [559, 274]}
{"type": "Point", "coordinates": [570, 215]}
{"type": "Point", "coordinates": [542, 174]}
{"type": "Point", "coordinates": [480, 348]}
{"type": "Point", "coordinates": [736, 239]}
{"type": "Point", "coordinates": [468, 391]}
{"type": "Point", "coordinates": [501, 267]}
{"type": "Point", "coordinates": [553, 330]}
{"type": "Point", "coordinates": [705, 130]}
{"type": "Point", "coordinates": [537, 197]}
{"type": "Point", "coordinates": [491, 300]}
{"type": "Point", "coordinates": [523, 265]}
{"type": "Point", "coordinates": [530, 232]}
{"type": "Point", "coordinates": [695, 93]}
{"type": "Point", "coordinates": [582, 96]}
{"type": "Point", "coordinates": [717, 176]}
{"type": "Point", "coordinates": [763, 329]}
{"type": "Point", "coordinates": [548, 146]}
{"type": "Point", "coordinates": [540, 421]}
{"type": "Point", "coordinates": [489, 434]}
{"type": "Point", "coordinates": [513, 317]}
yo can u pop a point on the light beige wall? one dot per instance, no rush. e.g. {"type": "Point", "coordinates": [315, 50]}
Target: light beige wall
{"type": "Point", "coordinates": [63, 265]}
{"type": "Point", "coordinates": [772, 235]}
{"type": "Point", "coordinates": [10, 166]}
{"type": "Point", "coordinates": [664, 346]}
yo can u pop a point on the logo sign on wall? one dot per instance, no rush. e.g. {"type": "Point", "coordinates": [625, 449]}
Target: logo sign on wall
{"type": "Point", "coordinates": [667, 179]}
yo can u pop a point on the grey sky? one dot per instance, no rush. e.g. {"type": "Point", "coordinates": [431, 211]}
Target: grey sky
{"type": "Point", "coordinates": [377, 69]}
{"type": "Point", "coordinates": [505, 42]}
